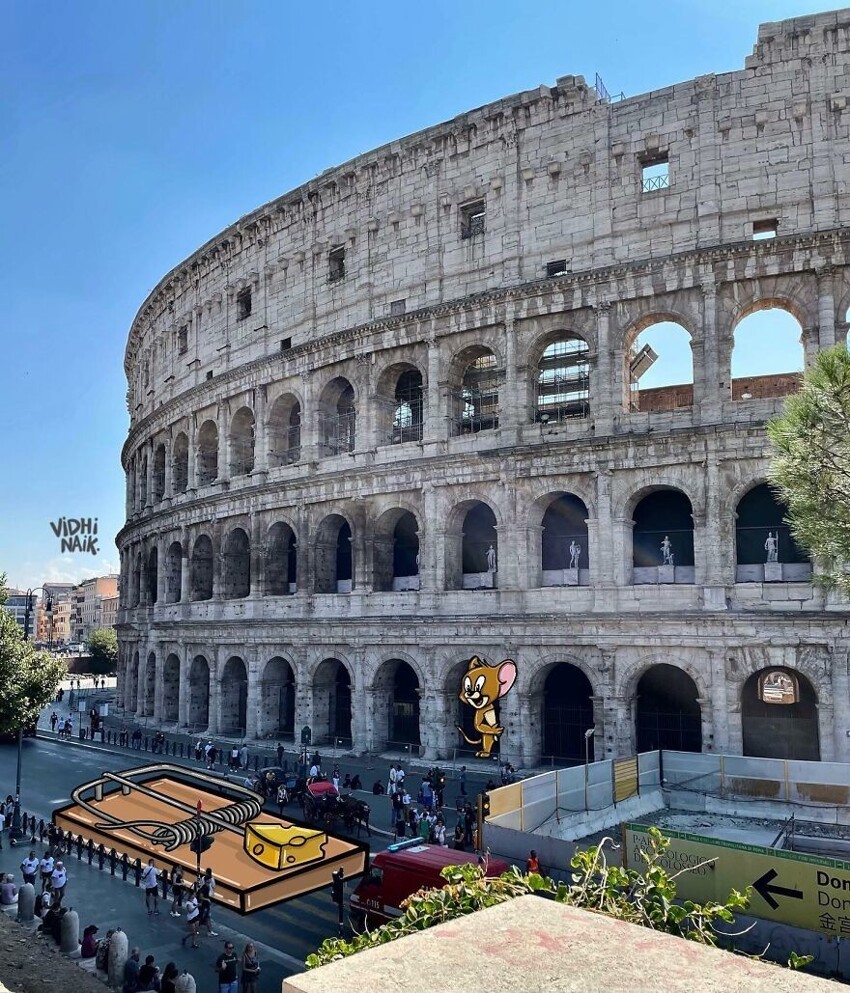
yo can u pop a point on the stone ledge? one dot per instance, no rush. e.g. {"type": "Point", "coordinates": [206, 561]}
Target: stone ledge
{"type": "Point", "coordinates": [533, 944]}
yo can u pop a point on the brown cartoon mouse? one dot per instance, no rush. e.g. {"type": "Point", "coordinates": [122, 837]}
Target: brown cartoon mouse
{"type": "Point", "coordinates": [481, 687]}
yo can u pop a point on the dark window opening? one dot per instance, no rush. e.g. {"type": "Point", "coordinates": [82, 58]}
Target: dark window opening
{"type": "Point", "coordinates": [183, 340]}
{"type": "Point", "coordinates": [472, 219]}
{"type": "Point", "coordinates": [762, 230]}
{"type": "Point", "coordinates": [243, 304]}
{"type": "Point", "coordinates": [558, 268]}
{"type": "Point", "coordinates": [336, 265]}
{"type": "Point", "coordinates": [654, 173]}
{"type": "Point", "coordinates": [407, 414]}
{"type": "Point", "coordinates": [286, 344]}
{"type": "Point", "coordinates": [397, 307]}
{"type": "Point", "coordinates": [210, 374]}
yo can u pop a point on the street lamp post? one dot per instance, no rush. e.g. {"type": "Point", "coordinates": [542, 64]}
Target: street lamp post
{"type": "Point", "coordinates": [15, 831]}
{"type": "Point", "coordinates": [588, 734]}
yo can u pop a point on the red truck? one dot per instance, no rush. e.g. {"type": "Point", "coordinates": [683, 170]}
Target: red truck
{"type": "Point", "coordinates": [400, 871]}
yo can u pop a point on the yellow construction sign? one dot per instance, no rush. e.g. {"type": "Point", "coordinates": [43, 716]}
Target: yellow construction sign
{"type": "Point", "coordinates": [803, 890]}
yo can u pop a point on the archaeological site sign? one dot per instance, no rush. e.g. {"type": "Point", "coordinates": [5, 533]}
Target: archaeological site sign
{"type": "Point", "coordinates": [789, 887]}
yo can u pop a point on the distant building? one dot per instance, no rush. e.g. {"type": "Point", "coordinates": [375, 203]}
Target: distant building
{"type": "Point", "coordinates": [16, 605]}
{"type": "Point", "coordinates": [60, 634]}
{"type": "Point", "coordinates": [109, 611]}
{"type": "Point", "coordinates": [48, 625]}
{"type": "Point", "coordinates": [87, 605]}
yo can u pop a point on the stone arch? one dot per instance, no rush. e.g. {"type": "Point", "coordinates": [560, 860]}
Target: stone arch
{"type": "Point", "coordinates": [237, 565]}
{"type": "Point", "coordinates": [473, 531]}
{"type": "Point", "coordinates": [561, 533]}
{"type": "Point", "coordinates": [337, 414]}
{"type": "Point", "coordinates": [768, 351]}
{"type": "Point", "coordinates": [400, 398]}
{"type": "Point", "coordinates": [174, 573]}
{"type": "Point", "coordinates": [765, 549]}
{"type": "Point", "coordinates": [397, 685]}
{"type": "Point", "coordinates": [233, 697]}
{"type": "Point", "coordinates": [476, 374]}
{"type": "Point", "coordinates": [152, 574]}
{"type": "Point", "coordinates": [332, 684]}
{"type": "Point", "coordinates": [396, 542]}
{"type": "Point", "coordinates": [180, 463]}
{"type": "Point", "coordinates": [171, 689]}
{"type": "Point", "coordinates": [158, 477]}
{"type": "Point", "coordinates": [207, 454]}
{"type": "Point", "coordinates": [281, 560]}
{"type": "Point", "coordinates": [562, 699]}
{"type": "Point", "coordinates": [658, 373]}
{"type": "Point", "coordinates": [277, 699]}
{"type": "Point", "coordinates": [199, 694]}
{"type": "Point", "coordinates": [662, 537]}
{"type": "Point", "coordinates": [241, 442]}
{"type": "Point", "coordinates": [202, 568]}
{"type": "Point", "coordinates": [284, 430]}
{"type": "Point", "coordinates": [667, 708]}
{"type": "Point", "coordinates": [149, 701]}
{"type": "Point", "coordinates": [776, 729]}
{"type": "Point", "coordinates": [334, 555]}
{"type": "Point", "coordinates": [138, 574]}
{"type": "Point", "coordinates": [561, 378]}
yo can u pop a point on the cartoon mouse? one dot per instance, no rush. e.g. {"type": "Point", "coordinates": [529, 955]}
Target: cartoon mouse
{"type": "Point", "coordinates": [481, 687]}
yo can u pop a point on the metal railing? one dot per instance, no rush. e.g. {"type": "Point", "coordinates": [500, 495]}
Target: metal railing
{"type": "Point", "coordinates": [650, 183]}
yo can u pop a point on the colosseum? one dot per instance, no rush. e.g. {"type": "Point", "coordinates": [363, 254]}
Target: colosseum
{"type": "Point", "coordinates": [395, 418]}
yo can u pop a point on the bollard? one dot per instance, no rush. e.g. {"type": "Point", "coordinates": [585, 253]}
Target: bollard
{"type": "Point", "coordinates": [90, 849]}
{"type": "Point", "coordinates": [101, 855]}
{"type": "Point", "coordinates": [125, 865]}
{"type": "Point", "coordinates": [184, 983]}
{"type": "Point", "coordinates": [26, 903]}
{"type": "Point", "coordinates": [165, 879]}
{"type": "Point", "coordinates": [24, 822]}
{"type": "Point", "coordinates": [70, 933]}
{"type": "Point", "coordinates": [113, 858]}
{"type": "Point", "coordinates": [118, 955]}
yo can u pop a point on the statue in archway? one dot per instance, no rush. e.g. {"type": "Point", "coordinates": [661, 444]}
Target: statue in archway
{"type": "Point", "coordinates": [491, 559]}
{"type": "Point", "coordinates": [771, 546]}
{"type": "Point", "coordinates": [575, 553]}
{"type": "Point", "coordinates": [666, 551]}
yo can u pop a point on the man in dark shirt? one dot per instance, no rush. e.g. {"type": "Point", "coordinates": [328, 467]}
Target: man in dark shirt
{"type": "Point", "coordinates": [225, 966]}
{"type": "Point", "coordinates": [149, 975]}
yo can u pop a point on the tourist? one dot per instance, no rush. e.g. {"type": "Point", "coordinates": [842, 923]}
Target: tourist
{"type": "Point", "coordinates": [150, 884]}
{"type": "Point", "coordinates": [199, 750]}
{"type": "Point", "coordinates": [178, 890]}
{"type": "Point", "coordinates": [58, 882]}
{"type": "Point", "coordinates": [226, 966]}
{"type": "Point", "coordinates": [282, 797]}
{"type": "Point", "coordinates": [131, 972]}
{"type": "Point", "coordinates": [54, 718]}
{"type": "Point", "coordinates": [205, 887]}
{"type": "Point", "coordinates": [46, 866]}
{"type": "Point", "coordinates": [458, 841]}
{"type": "Point", "coordinates": [391, 779]}
{"type": "Point", "coordinates": [462, 780]}
{"type": "Point", "coordinates": [532, 863]}
{"type": "Point", "coordinates": [8, 891]}
{"type": "Point", "coordinates": [234, 757]}
{"type": "Point", "coordinates": [279, 754]}
{"type": "Point", "coordinates": [29, 868]}
{"type": "Point", "coordinates": [149, 974]}
{"type": "Point", "coordinates": [243, 756]}
{"type": "Point", "coordinates": [167, 984]}
{"type": "Point", "coordinates": [250, 968]}
{"type": "Point", "coordinates": [88, 949]}
{"type": "Point", "coordinates": [193, 915]}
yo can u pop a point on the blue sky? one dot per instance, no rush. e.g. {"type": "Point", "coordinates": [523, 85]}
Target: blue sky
{"type": "Point", "coordinates": [133, 132]}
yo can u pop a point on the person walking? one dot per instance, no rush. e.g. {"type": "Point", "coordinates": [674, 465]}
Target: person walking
{"type": "Point", "coordinates": [243, 756]}
{"type": "Point", "coordinates": [226, 965]}
{"type": "Point", "coordinates": [463, 780]}
{"type": "Point", "coordinates": [279, 753]}
{"type": "Point", "coordinates": [58, 882]}
{"type": "Point", "coordinates": [199, 750]}
{"type": "Point", "coordinates": [193, 916]}
{"type": "Point", "coordinates": [234, 757]}
{"type": "Point", "coordinates": [46, 866]}
{"type": "Point", "coordinates": [54, 718]}
{"type": "Point", "coordinates": [391, 780]}
{"type": "Point", "coordinates": [29, 868]}
{"type": "Point", "coordinates": [150, 884]}
{"type": "Point", "coordinates": [206, 888]}
{"type": "Point", "coordinates": [178, 890]}
{"type": "Point", "coordinates": [282, 797]}
{"type": "Point", "coordinates": [250, 968]}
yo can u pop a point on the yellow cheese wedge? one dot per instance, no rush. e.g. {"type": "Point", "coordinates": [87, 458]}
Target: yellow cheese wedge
{"type": "Point", "coordinates": [278, 847]}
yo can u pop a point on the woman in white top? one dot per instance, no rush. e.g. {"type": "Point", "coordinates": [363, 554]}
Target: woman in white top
{"type": "Point", "coordinates": [58, 881]}
{"type": "Point", "coordinates": [192, 915]}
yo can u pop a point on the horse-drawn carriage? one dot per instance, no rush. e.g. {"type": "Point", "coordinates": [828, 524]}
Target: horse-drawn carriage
{"type": "Point", "coordinates": [323, 803]}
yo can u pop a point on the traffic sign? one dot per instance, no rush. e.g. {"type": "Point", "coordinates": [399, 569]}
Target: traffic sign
{"type": "Point", "coordinates": [804, 890]}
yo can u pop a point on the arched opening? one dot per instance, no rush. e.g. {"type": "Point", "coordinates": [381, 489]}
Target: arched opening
{"type": "Point", "coordinates": [663, 538]}
{"type": "Point", "coordinates": [242, 442]}
{"type": "Point", "coordinates": [284, 431]}
{"type": "Point", "coordinates": [567, 713]}
{"type": "Point", "coordinates": [767, 357]}
{"type": "Point", "coordinates": [277, 700]}
{"type": "Point", "coordinates": [659, 368]}
{"type": "Point", "coordinates": [779, 716]}
{"type": "Point", "coordinates": [667, 711]}
{"type": "Point", "coordinates": [174, 573]}
{"type": "Point", "coordinates": [171, 689]}
{"type": "Point", "coordinates": [337, 420]}
{"type": "Point", "coordinates": [143, 484]}
{"type": "Point", "coordinates": [464, 715]}
{"type": "Point", "coordinates": [334, 560]}
{"type": "Point", "coordinates": [562, 388]}
{"type": "Point", "coordinates": [158, 473]}
{"type": "Point", "coordinates": [563, 543]}
{"type": "Point", "coordinates": [234, 697]}
{"type": "Point", "coordinates": [202, 568]}
{"type": "Point", "coordinates": [332, 702]}
{"type": "Point", "coordinates": [199, 694]}
{"type": "Point", "coordinates": [475, 392]}
{"type": "Point", "coordinates": [150, 687]}
{"type": "Point", "coordinates": [396, 551]}
{"type": "Point", "coordinates": [180, 463]}
{"type": "Point", "coordinates": [281, 561]}
{"type": "Point", "coordinates": [399, 395]}
{"type": "Point", "coordinates": [207, 469]}
{"type": "Point", "coordinates": [397, 686]}
{"type": "Point", "coordinates": [765, 549]}
{"type": "Point", "coordinates": [479, 548]}
{"type": "Point", "coordinates": [152, 575]}
{"type": "Point", "coordinates": [237, 565]}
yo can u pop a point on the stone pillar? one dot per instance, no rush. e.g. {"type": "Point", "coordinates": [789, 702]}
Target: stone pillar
{"type": "Point", "coordinates": [309, 420]}
{"type": "Point", "coordinates": [218, 565]}
{"type": "Point", "coordinates": [717, 737]}
{"type": "Point", "coordinates": [69, 933]}
{"type": "Point", "coordinates": [168, 488]}
{"type": "Point", "coordinates": [257, 557]}
{"type": "Point", "coordinates": [161, 570]}
{"type": "Point", "coordinates": [520, 743]}
{"type": "Point", "coordinates": [223, 443]}
{"type": "Point", "coordinates": [711, 379]}
{"type": "Point", "coordinates": [359, 706]}
{"type": "Point", "coordinates": [26, 903]}
{"type": "Point", "coordinates": [192, 466]}
{"type": "Point", "coordinates": [261, 431]}
{"type": "Point", "coordinates": [620, 720]}
{"type": "Point", "coordinates": [149, 476]}
{"type": "Point", "coordinates": [185, 568]}
{"type": "Point", "coordinates": [435, 421]}
{"type": "Point", "coordinates": [215, 693]}
{"type": "Point", "coordinates": [429, 717]}
{"type": "Point", "coordinates": [810, 339]}
{"type": "Point", "coordinates": [509, 419]}
{"type": "Point", "coordinates": [601, 550]}
{"type": "Point", "coordinates": [445, 734]}
{"type": "Point", "coordinates": [826, 309]}
{"type": "Point", "coordinates": [374, 740]}
{"type": "Point", "coordinates": [621, 529]}
{"type": "Point", "coordinates": [602, 394]}
{"type": "Point", "coordinates": [252, 708]}
{"type": "Point", "coordinates": [303, 694]}
{"type": "Point", "coordinates": [506, 561]}
{"type": "Point", "coordinates": [429, 537]}
{"type": "Point", "coordinates": [528, 551]}
{"type": "Point", "coordinates": [716, 565]}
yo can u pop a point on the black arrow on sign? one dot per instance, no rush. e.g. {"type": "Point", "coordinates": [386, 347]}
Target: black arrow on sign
{"type": "Point", "coordinates": [765, 890]}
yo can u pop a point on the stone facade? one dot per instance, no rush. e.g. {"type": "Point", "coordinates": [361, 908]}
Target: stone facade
{"type": "Point", "coordinates": [340, 403]}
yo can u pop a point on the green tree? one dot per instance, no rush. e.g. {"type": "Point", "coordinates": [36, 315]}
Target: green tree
{"type": "Point", "coordinates": [811, 463]}
{"type": "Point", "coordinates": [29, 678]}
{"type": "Point", "coordinates": [103, 646]}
